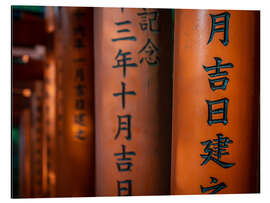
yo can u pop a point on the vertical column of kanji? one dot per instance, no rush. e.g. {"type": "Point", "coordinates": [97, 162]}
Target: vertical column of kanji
{"type": "Point", "coordinates": [25, 155]}
{"type": "Point", "coordinates": [49, 107]}
{"type": "Point", "coordinates": [133, 66]}
{"type": "Point", "coordinates": [77, 167]}
{"type": "Point", "coordinates": [36, 140]}
{"type": "Point", "coordinates": [216, 102]}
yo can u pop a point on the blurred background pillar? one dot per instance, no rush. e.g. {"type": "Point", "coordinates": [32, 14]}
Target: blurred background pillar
{"type": "Point", "coordinates": [25, 155]}
{"type": "Point", "coordinates": [36, 140]}
{"type": "Point", "coordinates": [49, 108]}
{"type": "Point", "coordinates": [75, 116]}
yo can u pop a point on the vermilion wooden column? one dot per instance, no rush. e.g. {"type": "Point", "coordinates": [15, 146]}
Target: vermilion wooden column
{"type": "Point", "coordinates": [49, 107]}
{"type": "Point", "coordinates": [25, 155]}
{"type": "Point", "coordinates": [59, 60]}
{"type": "Point", "coordinates": [75, 175]}
{"type": "Point", "coordinates": [132, 101]}
{"type": "Point", "coordinates": [36, 140]}
{"type": "Point", "coordinates": [216, 102]}
{"type": "Point", "coordinates": [60, 153]}
{"type": "Point", "coordinates": [50, 123]}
